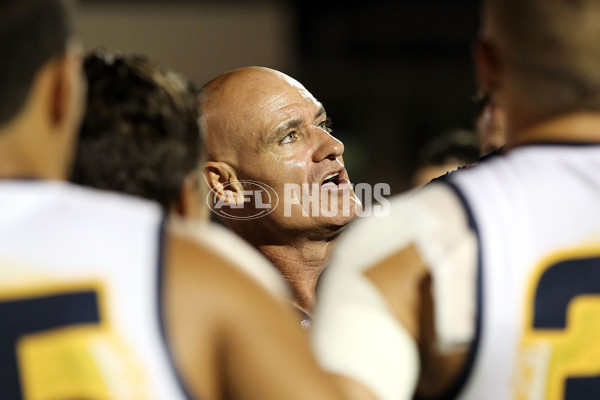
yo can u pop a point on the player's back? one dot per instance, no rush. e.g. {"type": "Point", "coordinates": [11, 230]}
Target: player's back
{"type": "Point", "coordinates": [536, 212]}
{"type": "Point", "coordinates": [79, 303]}
{"type": "Point", "coordinates": [87, 312]}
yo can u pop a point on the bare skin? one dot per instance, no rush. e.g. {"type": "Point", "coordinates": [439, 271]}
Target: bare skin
{"type": "Point", "coordinates": [301, 268]}
{"type": "Point", "coordinates": [262, 125]}
{"type": "Point", "coordinates": [219, 337]}
{"type": "Point", "coordinates": [39, 141]}
{"type": "Point", "coordinates": [408, 291]}
{"type": "Point", "coordinates": [224, 345]}
{"type": "Point", "coordinates": [490, 126]}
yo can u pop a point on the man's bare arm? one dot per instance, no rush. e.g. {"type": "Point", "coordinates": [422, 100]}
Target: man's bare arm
{"type": "Point", "coordinates": [231, 339]}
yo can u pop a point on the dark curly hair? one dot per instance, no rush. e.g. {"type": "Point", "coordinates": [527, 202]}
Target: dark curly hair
{"type": "Point", "coordinates": [140, 134]}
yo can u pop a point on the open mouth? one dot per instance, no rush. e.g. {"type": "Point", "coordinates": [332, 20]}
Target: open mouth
{"type": "Point", "coordinates": [331, 181]}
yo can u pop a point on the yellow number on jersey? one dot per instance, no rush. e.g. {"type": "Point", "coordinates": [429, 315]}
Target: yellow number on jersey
{"type": "Point", "coordinates": [56, 343]}
{"type": "Point", "coordinates": [559, 356]}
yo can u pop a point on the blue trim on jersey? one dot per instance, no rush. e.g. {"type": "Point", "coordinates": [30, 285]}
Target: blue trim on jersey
{"type": "Point", "coordinates": [460, 383]}
{"type": "Point", "coordinates": [159, 305]}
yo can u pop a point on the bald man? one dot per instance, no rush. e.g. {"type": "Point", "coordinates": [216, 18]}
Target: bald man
{"type": "Point", "coordinates": [266, 132]}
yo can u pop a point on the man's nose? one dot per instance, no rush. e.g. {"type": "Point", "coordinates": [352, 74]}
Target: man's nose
{"type": "Point", "coordinates": [328, 147]}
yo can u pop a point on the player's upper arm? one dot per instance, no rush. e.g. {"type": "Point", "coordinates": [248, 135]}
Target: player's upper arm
{"type": "Point", "coordinates": [236, 251]}
{"type": "Point", "coordinates": [378, 288]}
{"type": "Point", "coordinates": [248, 341]}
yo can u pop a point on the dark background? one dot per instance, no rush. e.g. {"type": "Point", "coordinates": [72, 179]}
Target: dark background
{"type": "Point", "coordinates": [391, 74]}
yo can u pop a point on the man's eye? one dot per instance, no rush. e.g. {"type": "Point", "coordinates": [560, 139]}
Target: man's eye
{"type": "Point", "coordinates": [326, 125]}
{"type": "Point", "coordinates": [289, 138]}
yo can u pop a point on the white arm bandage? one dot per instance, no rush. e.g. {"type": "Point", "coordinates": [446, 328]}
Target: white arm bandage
{"type": "Point", "coordinates": [355, 333]}
{"type": "Point", "coordinates": [356, 336]}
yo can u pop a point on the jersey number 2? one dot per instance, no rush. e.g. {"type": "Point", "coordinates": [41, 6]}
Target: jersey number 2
{"type": "Point", "coordinates": [562, 326]}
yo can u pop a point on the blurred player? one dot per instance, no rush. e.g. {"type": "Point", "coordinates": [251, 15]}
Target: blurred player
{"type": "Point", "coordinates": [490, 125]}
{"type": "Point", "coordinates": [97, 301]}
{"type": "Point", "coordinates": [140, 136]}
{"type": "Point", "coordinates": [486, 285]}
{"type": "Point", "coordinates": [444, 153]}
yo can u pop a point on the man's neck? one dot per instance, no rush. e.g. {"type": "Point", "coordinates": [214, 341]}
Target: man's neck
{"type": "Point", "coordinates": [572, 128]}
{"type": "Point", "coordinates": [301, 264]}
{"type": "Point", "coordinates": [24, 153]}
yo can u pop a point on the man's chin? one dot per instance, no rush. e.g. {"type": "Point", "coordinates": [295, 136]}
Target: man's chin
{"type": "Point", "coordinates": [340, 219]}
{"type": "Point", "coordinates": [335, 226]}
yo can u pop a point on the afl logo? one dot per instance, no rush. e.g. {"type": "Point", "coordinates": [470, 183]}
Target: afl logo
{"type": "Point", "coordinates": [255, 200]}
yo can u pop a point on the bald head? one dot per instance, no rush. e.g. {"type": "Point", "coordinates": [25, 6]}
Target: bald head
{"type": "Point", "coordinates": [549, 51]}
{"type": "Point", "coordinates": [263, 127]}
{"type": "Point", "coordinates": [233, 106]}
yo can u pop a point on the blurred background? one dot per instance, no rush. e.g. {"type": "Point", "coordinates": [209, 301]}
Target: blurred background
{"type": "Point", "coordinates": [391, 74]}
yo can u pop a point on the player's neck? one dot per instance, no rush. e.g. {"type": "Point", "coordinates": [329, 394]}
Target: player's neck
{"type": "Point", "coordinates": [583, 127]}
{"type": "Point", "coordinates": [15, 165]}
{"type": "Point", "coordinates": [301, 264]}
{"type": "Point", "coordinates": [13, 162]}
{"type": "Point", "coordinates": [24, 153]}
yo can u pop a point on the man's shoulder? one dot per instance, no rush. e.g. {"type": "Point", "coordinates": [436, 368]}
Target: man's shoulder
{"type": "Point", "coordinates": [204, 269]}
{"type": "Point", "coordinates": [432, 213]}
{"type": "Point", "coordinates": [55, 200]}
{"type": "Point", "coordinates": [69, 193]}
{"type": "Point", "coordinates": [234, 250]}
{"type": "Point", "coordinates": [109, 202]}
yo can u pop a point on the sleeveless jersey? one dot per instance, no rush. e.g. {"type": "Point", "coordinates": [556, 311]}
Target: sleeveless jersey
{"type": "Point", "coordinates": [80, 296]}
{"type": "Point", "coordinates": [536, 215]}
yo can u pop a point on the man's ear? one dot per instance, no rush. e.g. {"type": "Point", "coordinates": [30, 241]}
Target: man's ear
{"type": "Point", "coordinates": [191, 202]}
{"type": "Point", "coordinates": [487, 66]}
{"type": "Point", "coordinates": [223, 182]}
{"type": "Point", "coordinates": [66, 102]}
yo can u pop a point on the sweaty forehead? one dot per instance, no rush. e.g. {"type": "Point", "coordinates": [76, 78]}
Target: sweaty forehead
{"type": "Point", "coordinates": [258, 88]}
{"type": "Point", "coordinates": [301, 90]}
{"type": "Point", "coordinates": [243, 105]}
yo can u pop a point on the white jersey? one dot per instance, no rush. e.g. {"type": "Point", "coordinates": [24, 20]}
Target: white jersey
{"type": "Point", "coordinates": [536, 213]}
{"type": "Point", "coordinates": [80, 295]}
{"type": "Point", "coordinates": [513, 247]}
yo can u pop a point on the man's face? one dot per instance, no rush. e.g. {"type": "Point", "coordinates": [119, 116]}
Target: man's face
{"type": "Point", "coordinates": [287, 145]}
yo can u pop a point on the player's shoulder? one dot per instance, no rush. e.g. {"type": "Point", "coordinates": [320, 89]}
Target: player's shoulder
{"type": "Point", "coordinates": [68, 208]}
{"type": "Point", "coordinates": [406, 209]}
{"type": "Point", "coordinates": [430, 213]}
{"type": "Point", "coordinates": [63, 197]}
{"type": "Point", "coordinates": [233, 250]}
{"type": "Point", "coordinates": [117, 204]}
{"type": "Point", "coordinates": [206, 274]}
